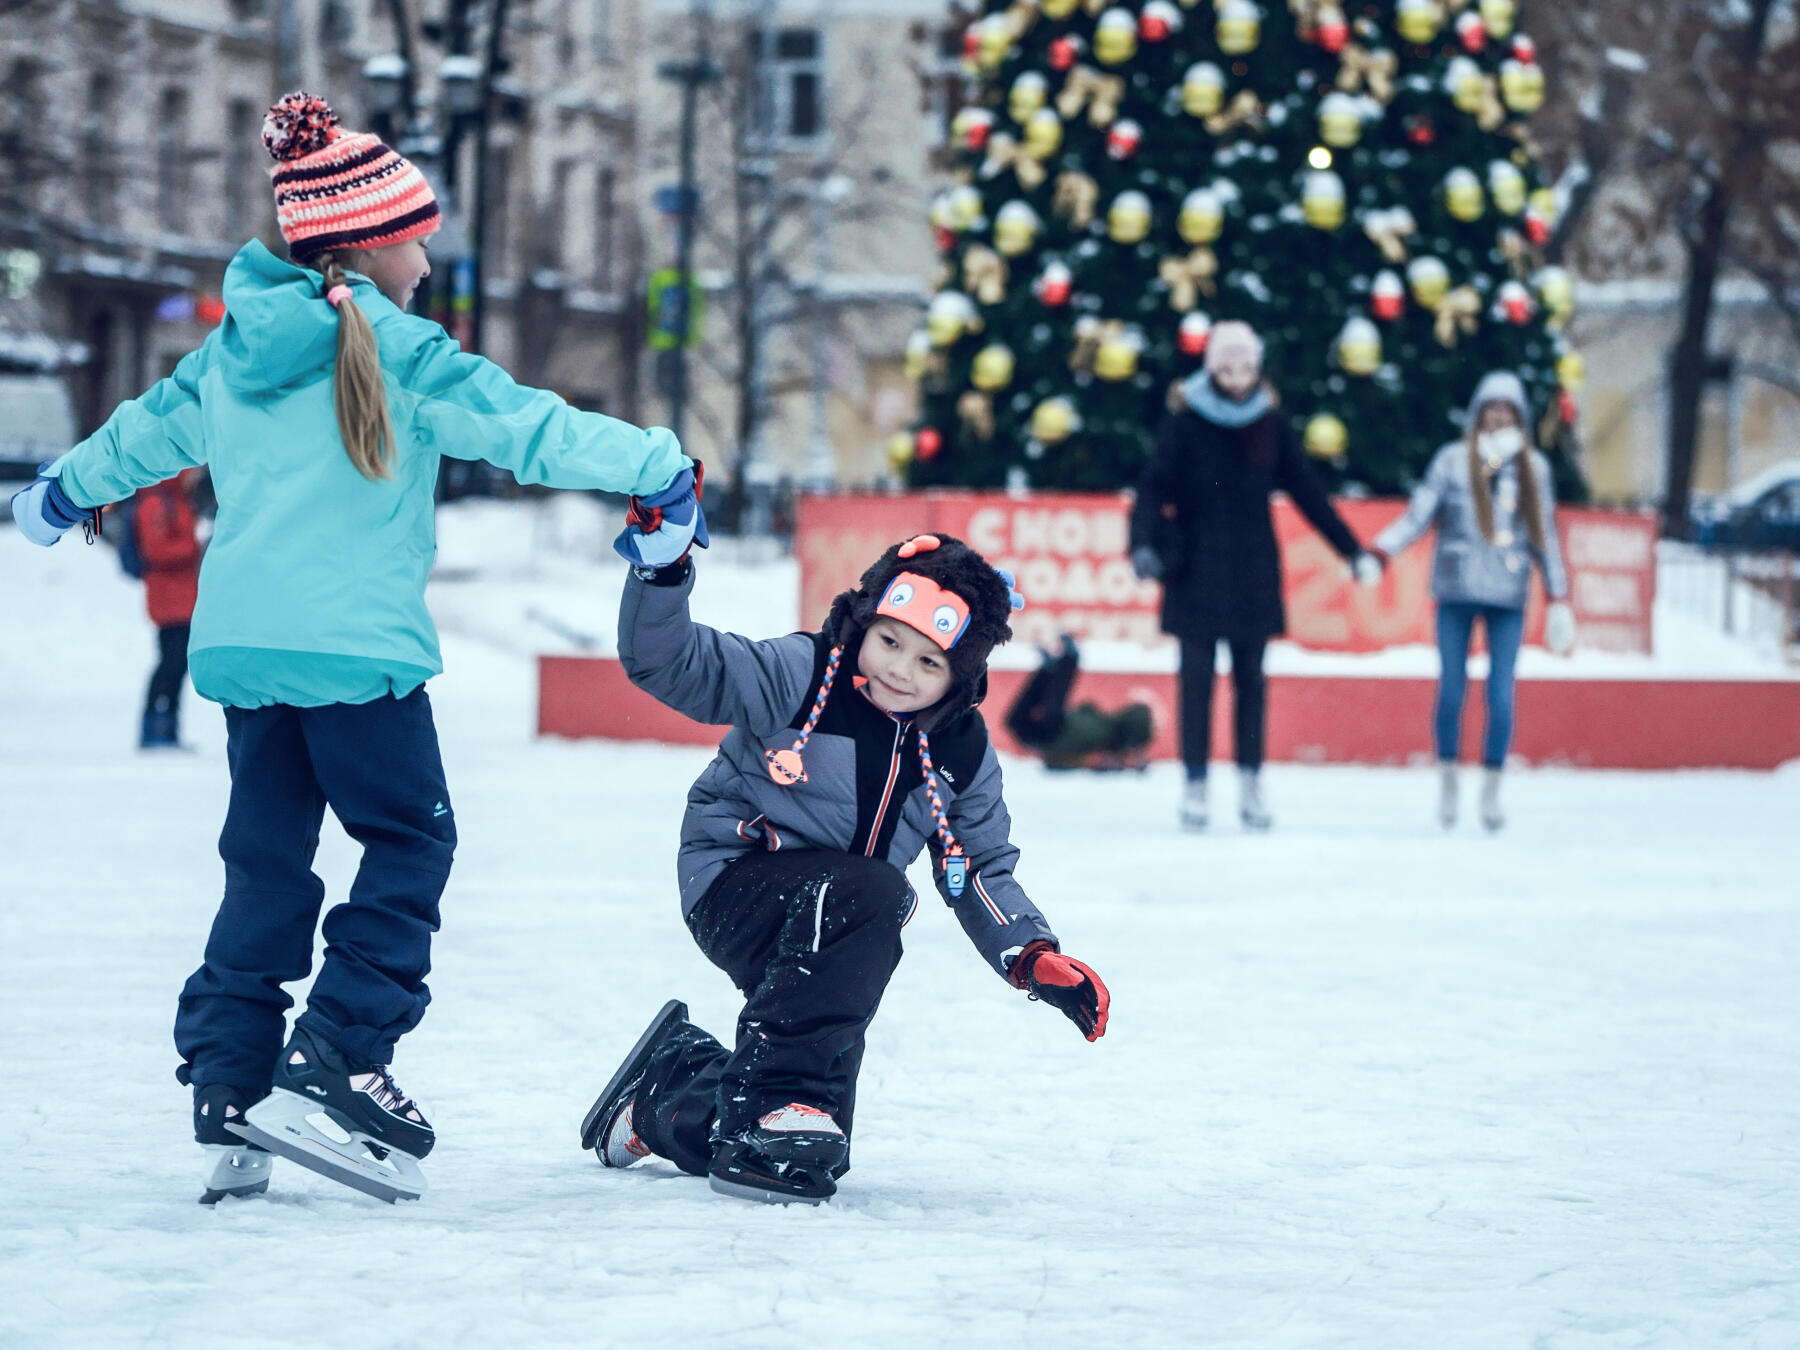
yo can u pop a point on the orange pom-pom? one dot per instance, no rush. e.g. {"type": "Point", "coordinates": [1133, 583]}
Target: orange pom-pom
{"type": "Point", "coordinates": [298, 125]}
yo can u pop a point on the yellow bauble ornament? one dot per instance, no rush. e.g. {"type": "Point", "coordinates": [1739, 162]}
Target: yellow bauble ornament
{"type": "Point", "coordinates": [1026, 96]}
{"type": "Point", "coordinates": [1418, 20]}
{"type": "Point", "coordinates": [1128, 218]}
{"type": "Point", "coordinates": [1202, 90]}
{"type": "Point", "coordinates": [1016, 228]}
{"type": "Point", "coordinates": [963, 206]}
{"type": "Point", "coordinates": [949, 317]}
{"type": "Point", "coordinates": [993, 40]}
{"type": "Point", "coordinates": [1239, 27]}
{"type": "Point", "coordinates": [1115, 37]}
{"type": "Point", "coordinates": [1202, 217]}
{"type": "Point", "coordinates": [1465, 83]}
{"type": "Point", "coordinates": [1571, 370]}
{"type": "Point", "coordinates": [1359, 346]}
{"type": "Point", "coordinates": [1058, 9]}
{"type": "Point", "coordinates": [1117, 356]}
{"type": "Point", "coordinates": [1326, 436]}
{"type": "Point", "coordinates": [1340, 120]}
{"type": "Point", "coordinates": [1506, 185]}
{"type": "Point", "coordinates": [1054, 420]}
{"type": "Point", "coordinates": [1428, 280]}
{"type": "Point", "coordinates": [1322, 199]}
{"type": "Point", "coordinates": [940, 212]}
{"type": "Point", "coordinates": [1556, 288]}
{"type": "Point", "coordinates": [899, 451]}
{"type": "Point", "coordinates": [1463, 196]}
{"type": "Point", "coordinates": [1522, 85]}
{"type": "Point", "coordinates": [1543, 201]}
{"type": "Point", "coordinates": [993, 367]}
{"type": "Point", "coordinates": [1043, 134]}
{"type": "Point", "coordinates": [918, 355]}
{"type": "Point", "coordinates": [1497, 17]}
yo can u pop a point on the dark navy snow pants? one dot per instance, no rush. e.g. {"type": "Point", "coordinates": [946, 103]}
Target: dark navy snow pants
{"type": "Point", "coordinates": [812, 939]}
{"type": "Point", "coordinates": [377, 766]}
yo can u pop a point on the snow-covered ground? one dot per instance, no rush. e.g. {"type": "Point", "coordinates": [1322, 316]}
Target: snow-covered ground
{"type": "Point", "coordinates": [1365, 1084]}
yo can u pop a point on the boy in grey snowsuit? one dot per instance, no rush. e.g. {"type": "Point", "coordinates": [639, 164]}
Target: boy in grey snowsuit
{"type": "Point", "coordinates": [851, 750]}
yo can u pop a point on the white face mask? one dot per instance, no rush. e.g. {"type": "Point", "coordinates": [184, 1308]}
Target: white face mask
{"type": "Point", "coordinates": [1499, 446]}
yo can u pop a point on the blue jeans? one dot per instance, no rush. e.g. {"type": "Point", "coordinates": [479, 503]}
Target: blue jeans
{"type": "Point", "coordinates": [1505, 630]}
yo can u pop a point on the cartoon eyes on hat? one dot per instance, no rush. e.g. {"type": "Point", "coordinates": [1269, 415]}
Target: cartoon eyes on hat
{"type": "Point", "coordinates": [901, 594]}
{"type": "Point", "coordinates": [945, 619]}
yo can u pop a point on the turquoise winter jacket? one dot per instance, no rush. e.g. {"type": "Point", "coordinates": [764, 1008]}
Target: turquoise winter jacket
{"type": "Point", "coordinates": [313, 587]}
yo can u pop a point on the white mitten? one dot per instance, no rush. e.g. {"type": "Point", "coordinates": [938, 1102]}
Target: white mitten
{"type": "Point", "coordinates": [1559, 628]}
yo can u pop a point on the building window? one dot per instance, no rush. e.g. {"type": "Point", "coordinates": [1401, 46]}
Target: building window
{"type": "Point", "coordinates": [606, 226]}
{"type": "Point", "coordinates": [172, 161]}
{"type": "Point", "coordinates": [948, 88]}
{"type": "Point", "coordinates": [789, 93]}
{"type": "Point", "coordinates": [99, 181]}
{"type": "Point", "coordinates": [21, 125]}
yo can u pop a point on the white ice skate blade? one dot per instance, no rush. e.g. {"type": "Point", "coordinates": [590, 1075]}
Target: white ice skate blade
{"type": "Point", "coordinates": [304, 1132]}
{"type": "Point", "coordinates": [235, 1170]}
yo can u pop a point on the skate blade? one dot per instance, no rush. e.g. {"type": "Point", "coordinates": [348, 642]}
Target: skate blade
{"type": "Point", "coordinates": [591, 1124]}
{"type": "Point", "coordinates": [744, 1190]}
{"type": "Point", "coordinates": [302, 1131]}
{"type": "Point", "coordinates": [237, 1170]}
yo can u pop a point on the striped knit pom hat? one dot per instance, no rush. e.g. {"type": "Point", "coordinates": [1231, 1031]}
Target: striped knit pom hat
{"type": "Point", "coordinates": [337, 189]}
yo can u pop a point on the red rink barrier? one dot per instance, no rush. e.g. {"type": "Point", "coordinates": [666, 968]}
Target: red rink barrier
{"type": "Point", "coordinates": [1602, 724]}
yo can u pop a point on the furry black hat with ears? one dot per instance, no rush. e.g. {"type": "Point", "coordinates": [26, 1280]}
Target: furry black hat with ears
{"type": "Point", "coordinates": [956, 567]}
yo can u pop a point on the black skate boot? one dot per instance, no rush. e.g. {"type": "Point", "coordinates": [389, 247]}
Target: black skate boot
{"type": "Point", "coordinates": [607, 1126]}
{"type": "Point", "coordinates": [346, 1121]}
{"type": "Point", "coordinates": [233, 1167]}
{"type": "Point", "coordinates": [792, 1155]}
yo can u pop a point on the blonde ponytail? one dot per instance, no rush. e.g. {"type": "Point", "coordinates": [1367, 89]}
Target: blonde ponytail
{"type": "Point", "coordinates": [362, 410]}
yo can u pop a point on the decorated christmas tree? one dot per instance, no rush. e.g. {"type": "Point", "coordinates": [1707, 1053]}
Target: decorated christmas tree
{"type": "Point", "coordinates": [1359, 185]}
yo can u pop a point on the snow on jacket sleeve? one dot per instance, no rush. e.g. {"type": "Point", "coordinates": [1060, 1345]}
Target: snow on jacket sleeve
{"type": "Point", "coordinates": [1556, 577]}
{"type": "Point", "coordinates": [993, 909]}
{"type": "Point", "coordinates": [472, 409]}
{"type": "Point", "coordinates": [1422, 510]}
{"type": "Point", "coordinates": [150, 438]}
{"type": "Point", "coordinates": [713, 677]}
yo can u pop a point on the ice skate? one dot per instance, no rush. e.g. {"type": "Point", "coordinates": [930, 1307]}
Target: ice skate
{"type": "Point", "coordinates": [792, 1155]}
{"type": "Point", "coordinates": [607, 1127]}
{"type": "Point", "coordinates": [1193, 805]}
{"type": "Point", "coordinates": [1492, 816]}
{"type": "Point", "coordinates": [346, 1122]}
{"type": "Point", "coordinates": [233, 1168]}
{"type": "Point", "coordinates": [1252, 810]}
{"type": "Point", "coordinates": [1447, 803]}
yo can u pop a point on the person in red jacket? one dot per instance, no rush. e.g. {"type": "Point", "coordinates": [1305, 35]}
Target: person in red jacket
{"type": "Point", "coordinates": [170, 549]}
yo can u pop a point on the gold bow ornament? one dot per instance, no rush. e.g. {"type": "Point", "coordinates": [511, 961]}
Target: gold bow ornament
{"type": "Point", "coordinates": [1005, 152]}
{"type": "Point", "coordinates": [1077, 196]}
{"type": "Point", "coordinates": [1099, 94]}
{"type": "Point", "coordinates": [1189, 278]}
{"type": "Point", "coordinates": [1459, 314]}
{"type": "Point", "coordinates": [984, 274]}
{"type": "Point", "coordinates": [1359, 68]}
{"type": "Point", "coordinates": [1243, 111]}
{"type": "Point", "coordinates": [1389, 230]}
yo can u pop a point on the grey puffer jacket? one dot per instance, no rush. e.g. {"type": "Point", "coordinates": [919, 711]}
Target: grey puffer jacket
{"type": "Point", "coordinates": [1468, 569]}
{"type": "Point", "coordinates": [865, 785]}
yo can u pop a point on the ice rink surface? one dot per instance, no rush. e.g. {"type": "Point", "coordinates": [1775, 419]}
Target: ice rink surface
{"type": "Point", "coordinates": [1366, 1084]}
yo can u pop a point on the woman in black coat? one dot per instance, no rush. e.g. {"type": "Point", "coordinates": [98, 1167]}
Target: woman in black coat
{"type": "Point", "coordinates": [1202, 527]}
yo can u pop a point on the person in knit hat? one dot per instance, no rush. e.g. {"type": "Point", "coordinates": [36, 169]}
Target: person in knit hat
{"type": "Point", "coordinates": [322, 409]}
{"type": "Point", "coordinates": [851, 750]}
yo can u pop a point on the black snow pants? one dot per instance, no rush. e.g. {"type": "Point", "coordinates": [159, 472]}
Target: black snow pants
{"type": "Point", "coordinates": [811, 938]}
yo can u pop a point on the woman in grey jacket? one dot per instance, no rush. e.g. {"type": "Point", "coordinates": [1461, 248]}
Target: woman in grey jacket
{"type": "Point", "coordinates": [1491, 497]}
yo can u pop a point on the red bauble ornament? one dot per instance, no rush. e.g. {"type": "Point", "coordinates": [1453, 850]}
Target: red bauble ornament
{"type": "Point", "coordinates": [1565, 407]}
{"type": "Point", "coordinates": [1123, 139]}
{"type": "Point", "coordinates": [1387, 297]}
{"type": "Point", "coordinates": [1537, 229]}
{"type": "Point", "coordinates": [1066, 51]}
{"type": "Point", "coordinates": [1471, 32]}
{"type": "Point", "coordinates": [1193, 334]}
{"type": "Point", "coordinates": [1524, 50]}
{"type": "Point", "coordinates": [981, 122]}
{"type": "Point", "coordinates": [1515, 302]}
{"type": "Point", "coordinates": [1054, 286]}
{"type": "Point", "coordinates": [971, 44]}
{"type": "Point", "coordinates": [943, 238]}
{"type": "Point", "coordinates": [928, 442]}
{"type": "Point", "coordinates": [1333, 31]}
{"type": "Point", "coordinates": [1159, 19]}
{"type": "Point", "coordinates": [1420, 130]}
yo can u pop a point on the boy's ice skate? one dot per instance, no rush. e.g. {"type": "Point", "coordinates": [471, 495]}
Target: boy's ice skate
{"type": "Point", "coordinates": [792, 1154]}
{"type": "Point", "coordinates": [607, 1126]}
{"type": "Point", "coordinates": [347, 1122]}
{"type": "Point", "coordinates": [233, 1168]}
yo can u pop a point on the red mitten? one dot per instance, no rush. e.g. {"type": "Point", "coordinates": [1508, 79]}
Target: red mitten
{"type": "Point", "coordinates": [1068, 985]}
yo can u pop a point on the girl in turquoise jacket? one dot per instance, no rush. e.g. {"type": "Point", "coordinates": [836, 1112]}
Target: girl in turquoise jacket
{"type": "Point", "coordinates": [321, 408]}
